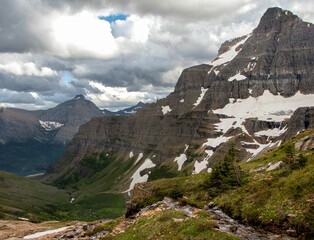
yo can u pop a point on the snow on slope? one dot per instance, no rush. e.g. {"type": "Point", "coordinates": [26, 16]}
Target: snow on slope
{"type": "Point", "coordinates": [137, 178]}
{"type": "Point", "coordinates": [238, 77]}
{"type": "Point", "coordinates": [199, 166]}
{"type": "Point", "coordinates": [182, 158]}
{"type": "Point", "coordinates": [140, 156]}
{"type": "Point", "coordinates": [275, 132]}
{"type": "Point", "coordinates": [200, 98]}
{"type": "Point", "coordinates": [229, 55]}
{"type": "Point", "coordinates": [261, 147]}
{"type": "Point", "coordinates": [267, 107]}
{"type": "Point", "coordinates": [49, 126]}
{"type": "Point", "coordinates": [165, 109]}
{"type": "Point", "coordinates": [40, 234]}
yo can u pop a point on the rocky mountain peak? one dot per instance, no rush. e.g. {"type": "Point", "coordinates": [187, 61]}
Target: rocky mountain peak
{"type": "Point", "coordinates": [274, 18]}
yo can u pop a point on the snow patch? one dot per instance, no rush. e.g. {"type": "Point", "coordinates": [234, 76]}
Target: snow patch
{"type": "Point", "coordinates": [72, 200]}
{"type": "Point", "coordinates": [40, 234]}
{"type": "Point", "coordinates": [228, 123]}
{"type": "Point", "coordinates": [182, 101]}
{"type": "Point", "coordinates": [230, 54]}
{"type": "Point", "coordinates": [165, 109]}
{"type": "Point", "coordinates": [260, 148]}
{"type": "Point", "coordinates": [137, 178]}
{"type": "Point", "coordinates": [130, 112]}
{"type": "Point", "coordinates": [238, 77]}
{"type": "Point", "coordinates": [49, 125]}
{"type": "Point", "coordinates": [267, 106]}
{"type": "Point", "coordinates": [199, 166]}
{"type": "Point", "coordinates": [140, 156]}
{"type": "Point", "coordinates": [214, 142]}
{"type": "Point", "coordinates": [131, 154]}
{"type": "Point", "coordinates": [216, 72]}
{"type": "Point", "coordinates": [200, 98]}
{"type": "Point", "coordinates": [275, 132]}
{"type": "Point", "coordinates": [180, 160]}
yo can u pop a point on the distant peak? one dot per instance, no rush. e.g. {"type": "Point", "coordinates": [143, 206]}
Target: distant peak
{"type": "Point", "coordinates": [79, 96]}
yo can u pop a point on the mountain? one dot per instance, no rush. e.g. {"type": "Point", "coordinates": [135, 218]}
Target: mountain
{"type": "Point", "coordinates": [31, 140]}
{"type": "Point", "coordinates": [124, 112]}
{"type": "Point", "coordinates": [67, 117]}
{"type": "Point", "coordinates": [258, 92]}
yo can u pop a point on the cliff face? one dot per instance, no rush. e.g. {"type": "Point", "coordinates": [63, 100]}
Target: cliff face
{"type": "Point", "coordinates": [246, 95]}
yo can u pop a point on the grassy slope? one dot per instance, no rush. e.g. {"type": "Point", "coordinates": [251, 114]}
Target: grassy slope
{"type": "Point", "coordinates": [283, 198]}
{"type": "Point", "coordinates": [279, 199]}
{"type": "Point", "coordinates": [24, 197]}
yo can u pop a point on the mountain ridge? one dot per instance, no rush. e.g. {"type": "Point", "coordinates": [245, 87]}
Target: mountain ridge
{"type": "Point", "coordinates": [212, 105]}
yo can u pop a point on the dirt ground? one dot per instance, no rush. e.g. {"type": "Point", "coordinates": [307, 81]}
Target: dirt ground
{"type": "Point", "coordinates": [18, 229]}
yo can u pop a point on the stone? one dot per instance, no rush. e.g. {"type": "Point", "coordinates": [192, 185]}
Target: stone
{"type": "Point", "coordinates": [292, 233]}
{"type": "Point", "coordinates": [233, 228]}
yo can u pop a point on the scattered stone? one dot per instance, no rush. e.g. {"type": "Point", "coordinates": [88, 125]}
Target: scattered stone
{"type": "Point", "coordinates": [211, 204]}
{"type": "Point", "coordinates": [178, 219]}
{"type": "Point", "coordinates": [306, 143]}
{"type": "Point", "coordinates": [292, 233]}
{"type": "Point", "coordinates": [233, 228]}
{"type": "Point", "coordinates": [261, 169]}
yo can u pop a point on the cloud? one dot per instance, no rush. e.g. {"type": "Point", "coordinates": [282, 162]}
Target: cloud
{"type": "Point", "coordinates": [27, 69]}
{"type": "Point", "coordinates": [52, 50]}
{"type": "Point", "coordinates": [82, 35]}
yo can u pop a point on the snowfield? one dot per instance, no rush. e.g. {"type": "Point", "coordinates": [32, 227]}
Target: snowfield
{"type": "Point", "coordinates": [49, 126]}
{"type": "Point", "coordinates": [267, 107]}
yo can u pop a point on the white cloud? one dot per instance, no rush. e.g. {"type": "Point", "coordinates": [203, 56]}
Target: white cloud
{"type": "Point", "coordinates": [134, 28]}
{"type": "Point", "coordinates": [114, 94]}
{"type": "Point", "coordinates": [83, 35]}
{"type": "Point", "coordinates": [27, 69]}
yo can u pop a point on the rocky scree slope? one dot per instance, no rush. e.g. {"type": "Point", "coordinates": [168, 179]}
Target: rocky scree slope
{"type": "Point", "coordinates": [250, 94]}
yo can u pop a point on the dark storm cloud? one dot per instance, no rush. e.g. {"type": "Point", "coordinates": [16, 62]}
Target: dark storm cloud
{"type": "Point", "coordinates": [16, 97]}
{"type": "Point", "coordinates": [19, 27]}
{"type": "Point", "coordinates": [28, 83]}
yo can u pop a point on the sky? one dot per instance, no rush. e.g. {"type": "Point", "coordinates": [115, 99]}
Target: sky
{"type": "Point", "coordinates": [115, 52]}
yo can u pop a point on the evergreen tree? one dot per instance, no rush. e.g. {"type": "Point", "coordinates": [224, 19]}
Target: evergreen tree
{"type": "Point", "coordinates": [226, 174]}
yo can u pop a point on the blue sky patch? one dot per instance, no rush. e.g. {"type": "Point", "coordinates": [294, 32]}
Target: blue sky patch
{"type": "Point", "coordinates": [113, 18]}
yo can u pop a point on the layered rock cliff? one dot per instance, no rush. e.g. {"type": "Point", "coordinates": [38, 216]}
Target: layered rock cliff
{"type": "Point", "coordinates": [246, 95]}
